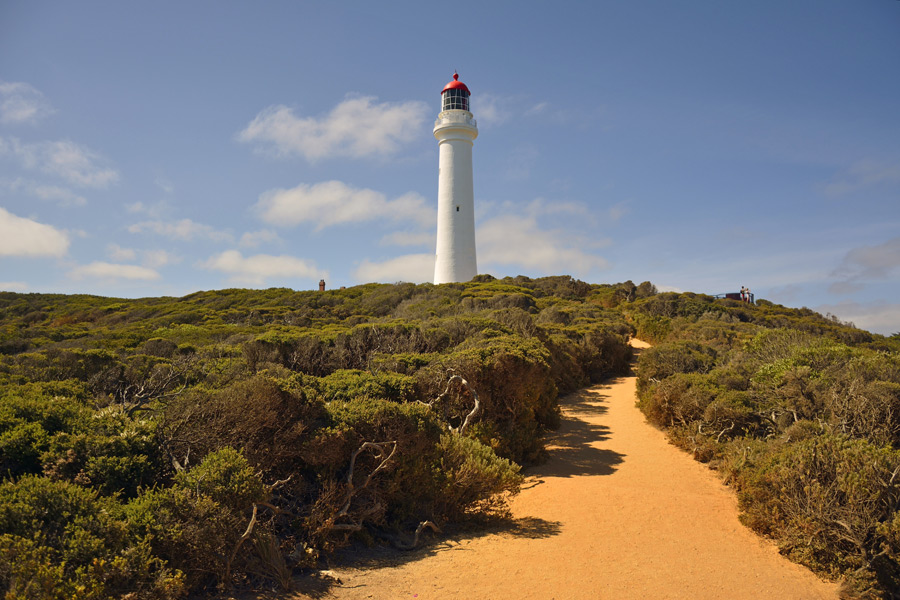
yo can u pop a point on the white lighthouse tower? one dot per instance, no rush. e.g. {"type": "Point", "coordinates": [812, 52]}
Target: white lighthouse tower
{"type": "Point", "coordinates": [455, 130]}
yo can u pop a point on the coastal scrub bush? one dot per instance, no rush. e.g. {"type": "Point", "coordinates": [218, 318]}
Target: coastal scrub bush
{"type": "Point", "coordinates": [665, 360]}
{"type": "Point", "coordinates": [352, 383]}
{"type": "Point", "coordinates": [832, 503]}
{"type": "Point", "coordinates": [58, 540]}
{"type": "Point", "coordinates": [475, 477]}
{"type": "Point", "coordinates": [195, 525]}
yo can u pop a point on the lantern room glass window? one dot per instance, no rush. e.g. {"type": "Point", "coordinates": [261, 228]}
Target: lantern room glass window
{"type": "Point", "coordinates": [455, 99]}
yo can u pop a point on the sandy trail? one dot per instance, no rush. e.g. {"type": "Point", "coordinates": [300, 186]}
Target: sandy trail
{"type": "Point", "coordinates": [616, 513]}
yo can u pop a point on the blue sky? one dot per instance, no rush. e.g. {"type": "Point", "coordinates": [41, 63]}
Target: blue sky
{"type": "Point", "coordinates": [162, 148]}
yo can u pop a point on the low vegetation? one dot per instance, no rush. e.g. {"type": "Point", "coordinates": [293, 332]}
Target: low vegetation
{"type": "Point", "coordinates": [801, 415]}
{"type": "Point", "coordinates": [164, 447]}
{"type": "Point", "coordinates": [161, 447]}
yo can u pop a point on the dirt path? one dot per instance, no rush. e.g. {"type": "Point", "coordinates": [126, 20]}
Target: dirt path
{"type": "Point", "coordinates": [616, 513]}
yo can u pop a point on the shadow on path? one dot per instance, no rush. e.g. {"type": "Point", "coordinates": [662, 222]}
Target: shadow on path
{"type": "Point", "coordinates": [454, 538]}
{"type": "Point", "coordinates": [571, 449]}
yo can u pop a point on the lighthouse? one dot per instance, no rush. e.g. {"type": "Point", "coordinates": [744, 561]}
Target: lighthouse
{"type": "Point", "coordinates": [455, 130]}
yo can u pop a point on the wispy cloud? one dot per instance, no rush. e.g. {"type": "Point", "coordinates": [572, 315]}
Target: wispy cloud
{"type": "Point", "coordinates": [14, 286]}
{"type": "Point", "coordinates": [24, 237]}
{"type": "Point", "coordinates": [155, 259]}
{"type": "Point", "coordinates": [334, 202]}
{"type": "Point", "coordinates": [61, 196]}
{"type": "Point", "coordinates": [117, 252]}
{"type": "Point", "coordinates": [164, 184]}
{"type": "Point", "coordinates": [152, 259]}
{"type": "Point", "coordinates": [72, 162]}
{"type": "Point", "coordinates": [407, 238]}
{"type": "Point", "coordinates": [879, 317]}
{"type": "Point", "coordinates": [184, 229]}
{"type": "Point", "coordinates": [542, 206]}
{"type": "Point", "coordinates": [866, 263]}
{"type": "Point", "coordinates": [105, 270]}
{"type": "Point", "coordinates": [519, 241]}
{"type": "Point", "coordinates": [863, 174]}
{"type": "Point", "coordinates": [260, 268]}
{"type": "Point", "coordinates": [617, 211]}
{"type": "Point", "coordinates": [492, 109]}
{"type": "Point", "coordinates": [495, 109]}
{"type": "Point", "coordinates": [357, 127]}
{"type": "Point", "coordinates": [415, 268]}
{"type": "Point", "coordinates": [252, 239]}
{"type": "Point", "coordinates": [20, 103]}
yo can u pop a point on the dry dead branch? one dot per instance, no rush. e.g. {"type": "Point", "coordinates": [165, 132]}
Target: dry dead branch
{"type": "Point", "coordinates": [422, 526]}
{"type": "Point", "coordinates": [476, 408]}
{"type": "Point", "coordinates": [384, 452]}
{"type": "Point", "coordinates": [237, 546]}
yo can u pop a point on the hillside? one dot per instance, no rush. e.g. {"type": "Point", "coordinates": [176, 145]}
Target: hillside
{"type": "Point", "coordinates": [162, 446]}
{"type": "Point", "coordinates": [616, 512]}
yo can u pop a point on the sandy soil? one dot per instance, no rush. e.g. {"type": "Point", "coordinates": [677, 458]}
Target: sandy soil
{"type": "Point", "coordinates": [616, 513]}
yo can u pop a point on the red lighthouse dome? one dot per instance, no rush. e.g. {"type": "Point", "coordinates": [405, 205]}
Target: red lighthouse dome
{"type": "Point", "coordinates": [455, 95]}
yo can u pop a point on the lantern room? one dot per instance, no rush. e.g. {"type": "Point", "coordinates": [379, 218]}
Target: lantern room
{"type": "Point", "coordinates": [455, 95]}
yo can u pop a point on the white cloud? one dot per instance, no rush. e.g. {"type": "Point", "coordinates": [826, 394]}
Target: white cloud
{"type": "Point", "coordinates": [62, 196]}
{"type": "Point", "coordinates": [252, 239]}
{"type": "Point", "coordinates": [541, 206]}
{"type": "Point", "coordinates": [863, 174]}
{"type": "Point", "coordinates": [334, 202]}
{"type": "Point", "coordinates": [74, 163]}
{"type": "Point", "coordinates": [513, 240]}
{"type": "Point", "coordinates": [537, 109]}
{"type": "Point", "coordinates": [152, 259]}
{"type": "Point", "coordinates": [492, 109]}
{"type": "Point", "coordinates": [22, 103]}
{"type": "Point", "coordinates": [117, 252]}
{"type": "Point", "coordinates": [357, 127]}
{"type": "Point", "coordinates": [415, 268]}
{"type": "Point", "coordinates": [879, 317]}
{"type": "Point", "coordinates": [155, 259]}
{"type": "Point", "coordinates": [13, 286]}
{"type": "Point", "coordinates": [255, 270]}
{"type": "Point", "coordinates": [105, 270]}
{"type": "Point", "coordinates": [617, 211]}
{"type": "Point", "coordinates": [866, 263]}
{"type": "Point", "coordinates": [184, 229]}
{"type": "Point", "coordinates": [24, 237]}
{"type": "Point", "coordinates": [406, 238]}
{"type": "Point", "coordinates": [164, 184]}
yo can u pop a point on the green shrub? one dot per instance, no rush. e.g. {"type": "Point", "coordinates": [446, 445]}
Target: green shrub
{"type": "Point", "coordinates": [195, 525]}
{"type": "Point", "coordinates": [665, 360]}
{"type": "Point", "coordinates": [263, 417]}
{"type": "Point", "coordinates": [681, 399]}
{"type": "Point", "coordinates": [511, 376]}
{"type": "Point", "coordinates": [408, 488]}
{"type": "Point", "coordinates": [58, 540]}
{"type": "Point", "coordinates": [114, 454]}
{"type": "Point", "coordinates": [475, 476]}
{"type": "Point", "coordinates": [349, 384]}
{"type": "Point", "coordinates": [20, 449]}
{"type": "Point", "coordinates": [831, 502]}
{"type": "Point", "coordinates": [227, 478]}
